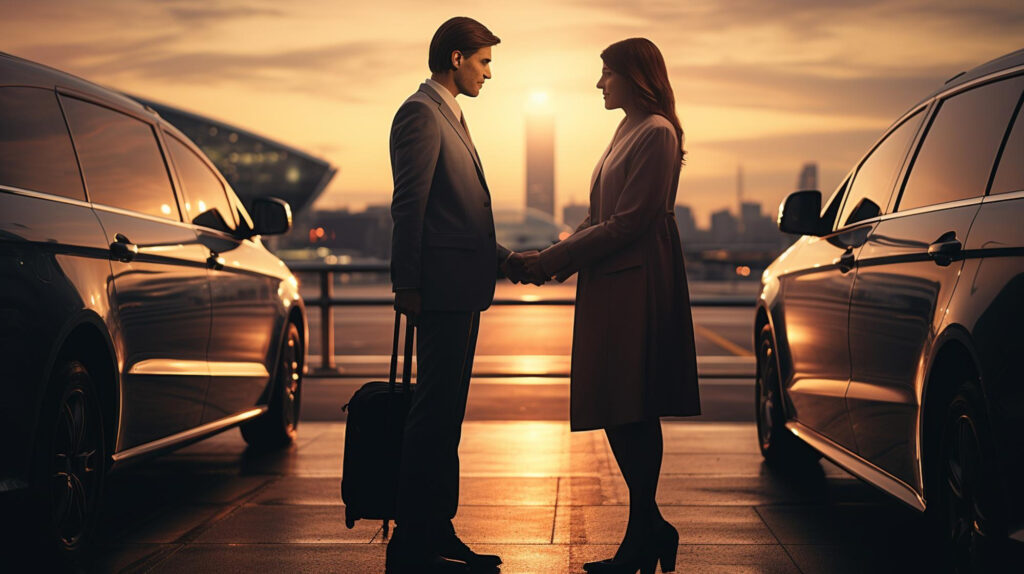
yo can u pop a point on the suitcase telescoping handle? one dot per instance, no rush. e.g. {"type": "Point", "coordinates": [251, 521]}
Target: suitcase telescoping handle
{"type": "Point", "coordinates": [406, 361]}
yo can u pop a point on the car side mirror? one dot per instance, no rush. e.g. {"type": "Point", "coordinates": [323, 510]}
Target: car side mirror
{"type": "Point", "coordinates": [271, 216]}
{"type": "Point", "coordinates": [800, 213]}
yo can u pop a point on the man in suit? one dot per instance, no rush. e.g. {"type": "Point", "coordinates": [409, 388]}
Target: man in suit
{"type": "Point", "coordinates": [444, 263]}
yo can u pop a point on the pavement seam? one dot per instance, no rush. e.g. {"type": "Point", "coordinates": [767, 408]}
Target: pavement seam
{"type": "Point", "coordinates": [159, 557]}
{"type": "Point", "coordinates": [792, 560]}
{"type": "Point", "coordinates": [554, 521]}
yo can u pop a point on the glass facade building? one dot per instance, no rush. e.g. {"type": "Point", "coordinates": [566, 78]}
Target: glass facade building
{"type": "Point", "coordinates": [255, 166]}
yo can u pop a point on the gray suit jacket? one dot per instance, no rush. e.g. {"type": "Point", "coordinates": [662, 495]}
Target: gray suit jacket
{"type": "Point", "coordinates": [443, 240]}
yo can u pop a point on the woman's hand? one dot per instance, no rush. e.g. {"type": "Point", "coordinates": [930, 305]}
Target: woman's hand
{"type": "Point", "coordinates": [525, 267]}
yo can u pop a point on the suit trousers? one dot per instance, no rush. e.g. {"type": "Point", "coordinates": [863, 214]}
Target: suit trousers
{"type": "Point", "coordinates": [428, 484]}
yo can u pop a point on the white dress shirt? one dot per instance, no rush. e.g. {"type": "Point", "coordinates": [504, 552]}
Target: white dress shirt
{"type": "Point", "coordinates": [446, 97]}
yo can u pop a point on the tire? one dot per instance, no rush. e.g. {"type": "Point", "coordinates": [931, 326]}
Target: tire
{"type": "Point", "coordinates": [778, 444]}
{"type": "Point", "coordinates": [278, 427]}
{"type": "Point", "coordinates": [69, 466]}
{"type": "Point", "coordinates": [970, 496]}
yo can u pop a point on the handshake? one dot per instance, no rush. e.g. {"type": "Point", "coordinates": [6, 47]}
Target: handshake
{"type": "Point", "coordinates": [525, 268]}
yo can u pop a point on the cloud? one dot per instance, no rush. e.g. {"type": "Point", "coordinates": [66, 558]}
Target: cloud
{"type": "Point", "coordinates": [344, 71]}
{"type": "Point", "coordinates": [853, 37]}
{"type": "Point", "coordinates": [791, 90]}
{"type": "Point", "coordinates": [838, 149]}
{"type": "Point", "coordinates": [205, 15]}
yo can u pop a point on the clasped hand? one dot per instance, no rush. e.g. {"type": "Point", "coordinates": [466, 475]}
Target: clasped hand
{"type": "Point", "coordinates": [525, 267]}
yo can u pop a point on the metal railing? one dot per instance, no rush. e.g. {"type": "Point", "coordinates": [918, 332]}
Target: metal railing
{"type": "Point", "coordinates": [327, 301]}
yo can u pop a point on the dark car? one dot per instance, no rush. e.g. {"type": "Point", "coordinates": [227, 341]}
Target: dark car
{"type": "Point", "coordinates": [139, 310]}
{"type": "Point", "coordinates": [890, 337]}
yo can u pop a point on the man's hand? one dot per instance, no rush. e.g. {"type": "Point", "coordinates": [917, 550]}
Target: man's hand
{"type": "Point", "coordinates": [409, 303]}
{"type": "Point", "coordinates": [532, 268]}
{"type": "Point", "coordinates": [509, 268]}
{"type": "Point", "coordinates": [525, 268]}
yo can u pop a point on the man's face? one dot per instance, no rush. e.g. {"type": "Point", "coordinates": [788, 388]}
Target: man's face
{"type": "Point", "coordinates": [472, 70]}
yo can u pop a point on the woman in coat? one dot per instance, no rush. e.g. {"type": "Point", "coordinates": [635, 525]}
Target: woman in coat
{"type": "Point", "coordinates": [633, 355]}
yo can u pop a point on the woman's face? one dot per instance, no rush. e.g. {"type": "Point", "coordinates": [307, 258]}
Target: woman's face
{"type": "Point", "coordinates": [617, 90]}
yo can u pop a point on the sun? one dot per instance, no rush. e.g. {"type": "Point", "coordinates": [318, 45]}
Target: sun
{"type": "Point", "coordinates": [538, 101]}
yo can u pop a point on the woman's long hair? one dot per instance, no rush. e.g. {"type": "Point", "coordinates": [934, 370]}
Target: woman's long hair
{"type": "Point", "coordinates": [640, 61]}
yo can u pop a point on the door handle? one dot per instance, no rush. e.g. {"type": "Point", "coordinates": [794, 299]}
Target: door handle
{"type": "Point", "coordinates": [123, 249]}
{"type": "Point", "coordinates": [945, 249]}
{"type": "Point", "coordinates": [845, 261]}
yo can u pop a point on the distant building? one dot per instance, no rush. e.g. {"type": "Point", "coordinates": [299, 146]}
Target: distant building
{"type": "Point", "coordinates": [686, 223]}
{"type": "Point", "coordinates": [574, 214]}
{"type": "Point", "coordinates": [750, 213]}
{"type": "Point", "coordinates": [255, 166]}
{"type": "Point", "coordinates": [724, 227]}
{"type": "Point", "coordinates": [808, 178]}
{"type": "Point", "coordinates": [526, 230]}
{"type": "Point", "coordinates": [540, 163]}
{"type": "Point", "coordinates": [366, 234]}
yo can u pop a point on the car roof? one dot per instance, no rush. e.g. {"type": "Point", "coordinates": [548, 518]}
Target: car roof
{"type": "Point", "coordinates": [1004, 62]}
{"type": "Point", "coordinates": [16, 71]}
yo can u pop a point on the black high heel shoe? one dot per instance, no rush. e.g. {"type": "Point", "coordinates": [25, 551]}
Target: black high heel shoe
{"type": "Point", "coordinates": [661, 547]}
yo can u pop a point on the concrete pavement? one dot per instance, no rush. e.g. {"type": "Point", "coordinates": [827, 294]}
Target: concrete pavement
{"type": "Point", "coordinates": [546, 499]}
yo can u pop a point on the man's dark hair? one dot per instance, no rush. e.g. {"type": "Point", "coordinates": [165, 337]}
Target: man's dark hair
{"type": "Point", "coordinates": [461, 34]}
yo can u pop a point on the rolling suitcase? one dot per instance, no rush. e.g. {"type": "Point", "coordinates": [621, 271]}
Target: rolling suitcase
{"type": "Point", "coordinates": [373, 440]}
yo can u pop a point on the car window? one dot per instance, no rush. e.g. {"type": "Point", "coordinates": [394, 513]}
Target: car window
{"type": "Point", "coordinates": [956, 157]}
{"type": "Point", "coordinates": [831, 207]}
{"type": "Point", "coordinates": [244, 220]}
{"type": "Point", "coordinates": [35, 149]}
{"type": "Point", "coordinates": [121, 160]}
{"type": "Point", "coordinates": [1010, 173]}
{"type": "Point", "coordinates": [872, 185]}
{"type": "Point", "coordinates": [206, 203]}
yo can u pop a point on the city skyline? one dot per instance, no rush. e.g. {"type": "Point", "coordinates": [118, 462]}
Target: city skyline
{"type": "Point", "coordinates": [770, 85]}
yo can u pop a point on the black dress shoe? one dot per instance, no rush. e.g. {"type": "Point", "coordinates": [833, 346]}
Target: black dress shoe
{"type": "Point", "coordinates": [450, 546]}
{"type": "Point", "coordinates": [432, 564]}
{"type": "Point", "coordinates": [660, 547]}
{"type": "Point", "coordinates": [411, 557]}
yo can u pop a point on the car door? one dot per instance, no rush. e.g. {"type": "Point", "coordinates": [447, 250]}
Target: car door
{"type": "Point", "coordinates": [245, 316]}
{"type": "Point", "coordinates": [52, 253]}
{"type": "Point", "coordinates": [817, 294]}
{"type": "Point", "coordinates": [910, 265]}
{"type": "Point", "coordinates": [990, 299]}
{"type": "Point", "coordinates": [161, 301]}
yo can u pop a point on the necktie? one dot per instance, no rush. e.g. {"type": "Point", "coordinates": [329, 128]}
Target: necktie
{"type": "Point", "coordinates": [462, 120]}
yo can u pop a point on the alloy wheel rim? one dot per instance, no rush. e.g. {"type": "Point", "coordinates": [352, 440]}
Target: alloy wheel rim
{"type": "Point", "coordinates": [292, 380]}
{"type": "Point", "coordinates": [74, 467]}
{"type": "Point", "coordinates": [766, 395]}
{"type": "Point", "coordinates": [964, 483]}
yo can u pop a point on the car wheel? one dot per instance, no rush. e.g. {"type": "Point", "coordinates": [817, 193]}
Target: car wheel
{"type": "Point", "coordinates": [70, 463]}
{"type": "Point", "coordinates": [278, 427]}
{"type": "Point", "coordinates": [777, 443]}
{"type": "Point", "coordinates": [969, 488]}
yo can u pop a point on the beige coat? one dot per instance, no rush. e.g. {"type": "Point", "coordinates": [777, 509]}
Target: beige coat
{"type": "Point", "coordinates": [633, 352]}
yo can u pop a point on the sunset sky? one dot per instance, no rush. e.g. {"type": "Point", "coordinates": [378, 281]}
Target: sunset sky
{"type": "Point", "coordinates": [766, 84]}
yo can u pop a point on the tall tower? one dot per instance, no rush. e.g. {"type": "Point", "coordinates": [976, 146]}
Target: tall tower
{"type": "Point", "coordinates": [739, 198]}
{"type": "Point", "coordinates": [808, 178]}
{"type": "Point", "coordinates": [739, 187]}
{"type": "Point", "coordinates": [540, 162]}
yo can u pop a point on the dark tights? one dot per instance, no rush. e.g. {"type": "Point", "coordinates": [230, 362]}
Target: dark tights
{"type": "Point", "coordinates": [638, 448]}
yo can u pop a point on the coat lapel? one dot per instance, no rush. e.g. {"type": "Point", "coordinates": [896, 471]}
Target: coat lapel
{"type": "Point", "coordinates": [457, 126]}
